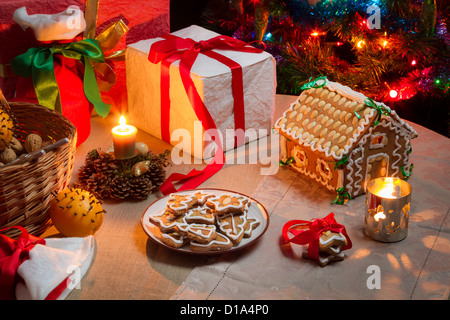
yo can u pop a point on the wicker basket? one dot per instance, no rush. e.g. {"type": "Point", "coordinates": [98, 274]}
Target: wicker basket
{"type": "Point", "coordinates": [25, 189]}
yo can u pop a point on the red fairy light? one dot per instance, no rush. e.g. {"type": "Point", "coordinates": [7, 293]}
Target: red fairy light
{"type": "Point", "coordinates": [393, 94]}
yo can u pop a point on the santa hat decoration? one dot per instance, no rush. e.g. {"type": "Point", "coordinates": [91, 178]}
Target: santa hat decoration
{"type": "Point", "coordinates": [42, 269]}
{"type": "Point", "coordinates": [65, 25]}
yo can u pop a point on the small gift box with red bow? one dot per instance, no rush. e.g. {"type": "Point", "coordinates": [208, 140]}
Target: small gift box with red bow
{"type": "Point", "coordinates": [184, 86]}
{"type": "Point", "coordinates": [326, 239]}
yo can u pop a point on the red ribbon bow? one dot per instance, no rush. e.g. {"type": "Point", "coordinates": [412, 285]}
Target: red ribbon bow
{"type": "Point", "coordinates": [174, 48]}
{"type": "Point", "coordinates": [12, 254]}
{"type": "Point", "coordinates": [311, 231]}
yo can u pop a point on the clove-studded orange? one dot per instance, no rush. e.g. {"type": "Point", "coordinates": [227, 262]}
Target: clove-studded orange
{"type": "Point", "coordinates": [6, 129]}
{"type": "Point", "coordinates": [76, 212]}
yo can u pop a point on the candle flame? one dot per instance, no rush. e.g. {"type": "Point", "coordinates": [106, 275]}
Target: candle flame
{"type": "Point", "coordinates": [390, 189]}
{"type": "Point", "coordinates": [122, 121]}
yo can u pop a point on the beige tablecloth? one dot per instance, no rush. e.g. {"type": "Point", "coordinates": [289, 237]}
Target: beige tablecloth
{"type": "Point", "coordinates": [129, 265]}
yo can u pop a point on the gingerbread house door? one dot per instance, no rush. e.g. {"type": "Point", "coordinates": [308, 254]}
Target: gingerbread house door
{"type": "Point", "coordinates": [376, 167]}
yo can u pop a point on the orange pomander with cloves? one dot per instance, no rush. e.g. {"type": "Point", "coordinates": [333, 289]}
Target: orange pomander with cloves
{"type": "Point", "coordinates": [6, 129]}
{"type": "Point", "coordinates": [76, 212]}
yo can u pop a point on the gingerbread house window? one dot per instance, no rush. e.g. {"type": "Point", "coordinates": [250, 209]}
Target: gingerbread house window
{"type": "Point", "coordinates": [324, 169]}
{"type": "Point", "coordinates": [379, 140]}
{"type": "Point", "coordinates": [301, 160]}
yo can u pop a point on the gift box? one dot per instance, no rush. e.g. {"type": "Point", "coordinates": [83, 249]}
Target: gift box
{"type": "Point", "coordinates": [168, 108]}
{"type": "Point", "coordinates": [145, 19]}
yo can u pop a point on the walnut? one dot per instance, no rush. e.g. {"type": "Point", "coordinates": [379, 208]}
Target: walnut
{"type": "Point", "coordinates": [16, 146]}
{"type": "Point", "coordinates": [7, 155]}
{"type": "Point", "coordinates": [33, 142]}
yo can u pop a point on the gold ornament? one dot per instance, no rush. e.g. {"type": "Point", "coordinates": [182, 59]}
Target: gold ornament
{"type": "Point", "coordinates": [76, 212]}
{"type": "Point", "coordinates": [140, 168]}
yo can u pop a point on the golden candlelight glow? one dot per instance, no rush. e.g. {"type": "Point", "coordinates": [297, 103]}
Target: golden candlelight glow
{"type": "Point", "coordinates": [390, 189]}
{"type": "Point", "coordinates": [122, 121]}
{"type": "Point", "coordinates": [124, 138]}
{"type": "Point", "coordinates": [379, 215]}
{"type": "Point", "coordinates": [123, 128]}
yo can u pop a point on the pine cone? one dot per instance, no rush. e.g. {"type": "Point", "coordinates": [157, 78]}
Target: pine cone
{"type": "Point", "coordinates": [105, 163]}
{"type": "Point", "coordinates": [140, 187]}
{"type": "Point", "coordinates": [87, 169]}
{"type": "Point", "coordinates": [119, 188]}
{"type": "Point", "coordinates": [156, 175]}
{"type": "Point", "coordinates": [98, 185]}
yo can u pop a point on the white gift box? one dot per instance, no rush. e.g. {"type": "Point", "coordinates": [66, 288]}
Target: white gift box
{"type": "Point", "coordinates": [213, 81]}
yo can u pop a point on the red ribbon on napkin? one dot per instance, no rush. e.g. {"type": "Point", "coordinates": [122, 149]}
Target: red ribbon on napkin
{"type": "Point", "coordinates": [174, 48]}
{"type": "Point", "coordinates": [310, 232]}
{"type": "Point", "coordinates": [12, 254]}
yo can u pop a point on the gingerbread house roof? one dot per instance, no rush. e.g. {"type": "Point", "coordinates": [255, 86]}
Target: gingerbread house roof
{"type": "Point", "coordinates": [330, 118]}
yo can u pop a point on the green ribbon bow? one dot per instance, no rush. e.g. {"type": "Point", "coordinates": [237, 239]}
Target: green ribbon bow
{"type": "Point", "coordinates": [407, 174]}
{"type": "Point", "coordinates": [342, 194]}
{"type": "Point", "coordinates": [343, 161]}
{"type": "Point", "coordinates": [313, 83]}
{"type": "Point", "coordinates": [287, 162]}
{"type": "Point", "coordinates": [381, 110]}
{"type": "Point", "coordinates": [38, 63]}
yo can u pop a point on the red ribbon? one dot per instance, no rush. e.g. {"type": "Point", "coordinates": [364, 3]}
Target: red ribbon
{"type": "Point", "coordinates": [12, 254]}
{"type": "Point", "coordinates": [311, 231]}
{"type": "Point", "coordinates": [174, 48]}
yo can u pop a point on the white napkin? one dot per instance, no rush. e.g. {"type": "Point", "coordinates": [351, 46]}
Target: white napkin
{"type": "Point", "coordinates": [65, 25]}
{"type": "Point", "coordinates": [60, 260]}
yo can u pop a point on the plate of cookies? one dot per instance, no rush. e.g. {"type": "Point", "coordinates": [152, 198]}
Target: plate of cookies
{"type": "Point", "coordinates": [205, 221]}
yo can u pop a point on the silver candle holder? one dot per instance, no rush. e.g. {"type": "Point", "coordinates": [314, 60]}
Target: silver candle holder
{"type": "Point", "coordinates": [388, 204]}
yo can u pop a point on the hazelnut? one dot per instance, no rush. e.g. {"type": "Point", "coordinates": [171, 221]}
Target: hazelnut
{"type": "Point", "coordinates": [16, 146]}
{"type": "Point", "coordinates": [33, 142]}
{"type": "Point", "coordinates": [7, 155]}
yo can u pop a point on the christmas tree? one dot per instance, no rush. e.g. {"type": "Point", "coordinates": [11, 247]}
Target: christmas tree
{"type": "Point", "coordinates": [393, 51]}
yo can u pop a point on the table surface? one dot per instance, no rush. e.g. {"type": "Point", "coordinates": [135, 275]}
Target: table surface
{"type": "Point", "coordinates": [130, 265]}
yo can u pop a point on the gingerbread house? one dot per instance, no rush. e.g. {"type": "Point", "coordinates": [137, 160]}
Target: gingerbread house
{"type": "Point", "coordinates": [342, 139]}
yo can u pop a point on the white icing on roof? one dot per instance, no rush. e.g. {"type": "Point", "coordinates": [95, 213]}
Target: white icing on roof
{"type": "Point", "coordinates": [325, 119]}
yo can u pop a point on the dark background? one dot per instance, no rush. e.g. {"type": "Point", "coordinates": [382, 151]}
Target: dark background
{"type": "Point", "coordinates": [429, 112]}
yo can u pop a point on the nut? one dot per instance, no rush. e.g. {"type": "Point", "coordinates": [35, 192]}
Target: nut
{"type": "Point", "coordinates": [16, 146]}
{"type": "Point", "coordinates": [7, 155]}
{"type": "Point", "coordinates": [33, 142]}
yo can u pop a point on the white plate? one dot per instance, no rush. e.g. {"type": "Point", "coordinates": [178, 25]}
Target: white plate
{"type": "Point", "coordinates": [256, 210]}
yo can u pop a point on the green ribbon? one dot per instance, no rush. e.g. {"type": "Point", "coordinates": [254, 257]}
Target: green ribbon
{"type": "Point", "coordinates": [341, 196]}
{"type": "Point", "coordinates": [287, 162]}
{"type": "Point", "coordinates": [381, 110]}
{"type": "Point", "coordinates": [407, 174]}
{"type": "Point", "coordinates": [38, 63]}
{"type": "Point", "coordinates": [343, 161]}
{"type": "Point", "coordinates": [313, 83]}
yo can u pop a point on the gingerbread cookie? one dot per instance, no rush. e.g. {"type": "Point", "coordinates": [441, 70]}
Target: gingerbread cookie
{"type": "Point", "coordinates": [181, 203]}
{"type": "Point", "coordinates": [202, 233]}
{"type": "Point", "coordinates": [166, 223]}
{"type": "Point", "coordinates": [202, 197]}
{"type": "Point", "coordinates": [252, 224]}
{"type": "Point", "coordinates": [202, 214]}
{"type": "Point", "coordinates": [233, 226]}
{"type": "Point", "coordinates": [325, 258]}
{"type": "Point", "coordinates": [205, 220]}
{"type": "Point", "coordinates": [174, 239]}
{"type": "Point", "coordinates": [221, 242]}
{"type": "Point", "coordinates": [330, 239]}
{"type": "Point", "coordinates": [228, 203]}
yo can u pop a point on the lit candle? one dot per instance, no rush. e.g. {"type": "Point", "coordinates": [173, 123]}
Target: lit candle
{"type": "Point", "coordinates": [390, 189]}
{"type": "Point", "coordinates": [124, 139]}
{"type": "Point", "coordinates": [388, 203]}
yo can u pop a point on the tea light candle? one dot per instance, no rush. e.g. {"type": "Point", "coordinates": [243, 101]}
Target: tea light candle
{"type": "Point", "coordinates": [124, 139]}
{"type": "Point", "coordinates": [388, 203]}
